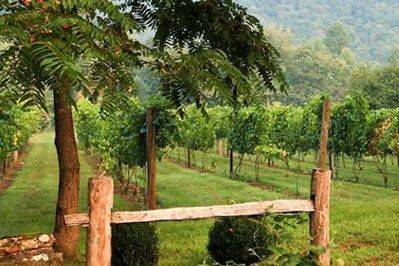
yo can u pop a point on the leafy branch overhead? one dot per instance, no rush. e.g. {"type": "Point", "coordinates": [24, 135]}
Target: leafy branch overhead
{"type": "Point", "coordinates": [195, 28]}
{"type": "Point", "coordinates": [201, 48]}
{"type": "Point", "coordinates": [55, 44]}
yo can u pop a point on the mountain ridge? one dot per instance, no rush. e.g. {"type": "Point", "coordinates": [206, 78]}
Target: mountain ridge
{"type": "Point", "coordinates": [372, 24]}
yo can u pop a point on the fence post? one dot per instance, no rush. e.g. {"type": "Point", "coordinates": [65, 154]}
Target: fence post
{"type": "Point", "coordinates": [325, 125]}
{"type": "Point", "coordinates": [320, 218]}
{"type": "Point", "coordinates": [15, 153]}
{"type": "Point", "coordinates": [100, 199]}
{"type": "Point", "coordinates": [320, 194]}
{"type": "Point", "coordinates": [15, 157]}
{"type": "Point", "coordinates": [151, 160]}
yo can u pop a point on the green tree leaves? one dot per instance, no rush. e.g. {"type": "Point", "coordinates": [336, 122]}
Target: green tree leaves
{"type": "Point", "coordinates": [337, 38]}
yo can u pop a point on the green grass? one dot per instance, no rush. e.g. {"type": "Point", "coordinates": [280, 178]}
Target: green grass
{"type": "Point", "coordinates": [184, 243]}
{"type": "Point", "coordinates": [364, 218]}
{"type": "Point", "coordinates": [28, 205]}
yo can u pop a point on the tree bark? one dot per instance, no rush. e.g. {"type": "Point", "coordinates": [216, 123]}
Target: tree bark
{"type": "Point", "coordinates": [67, 238]}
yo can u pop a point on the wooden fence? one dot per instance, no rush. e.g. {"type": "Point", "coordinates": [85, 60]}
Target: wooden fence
{"type": "Point", "coordinates": [100, 216]}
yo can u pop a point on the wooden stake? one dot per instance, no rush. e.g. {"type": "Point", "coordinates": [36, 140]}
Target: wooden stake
{"type": "Point", "coordinates": [219, 147]}
{"type": "Point", "coordinates": [325, 125]}
{"type": "Point", "coordinates": [15, 157]}
{"type": "Point", "coordinates": [320, 193]}
{"type": "Point", "coordinates": [320, 218]}
{"type": "Point", "coordinates": [15, 153]}
{"type": "Point", "coordinates": [98, 244]}
{"type": "Point", "coordinates": [151, 160]}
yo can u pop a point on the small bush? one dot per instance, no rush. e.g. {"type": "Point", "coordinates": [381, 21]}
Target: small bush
{"type": "Point", "coordinates": [135, 244]}
{"type": "Point", "coordinates": [238, 240]}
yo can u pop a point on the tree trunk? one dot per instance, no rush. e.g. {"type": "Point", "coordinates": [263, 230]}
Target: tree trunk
{"type": "Point", "coordinates": [67, 238]}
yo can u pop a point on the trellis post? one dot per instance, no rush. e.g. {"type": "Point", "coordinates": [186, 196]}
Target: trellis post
{"type": "Point", "coordinates": [15, 153]}
{"type": "Point", "coordinates": [98, 243]}
{"type": "Point", "coordinates": [320, 194]}
{"type": "Point", "coordinates": [151, 159]}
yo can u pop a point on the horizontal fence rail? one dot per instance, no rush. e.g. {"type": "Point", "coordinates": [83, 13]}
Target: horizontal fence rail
{"type": "Point", "coordinates": [193, 213]}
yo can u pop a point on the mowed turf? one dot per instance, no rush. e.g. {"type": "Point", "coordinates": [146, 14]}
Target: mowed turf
{"type": "Point", "coordinates": [28, 205]}
{"type": "Point", "coordinates": [184, 243]}
{"type": "Point", "coordinates": [364, 218]}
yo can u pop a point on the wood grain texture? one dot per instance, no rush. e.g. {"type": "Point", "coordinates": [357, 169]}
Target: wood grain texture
{"type": "Point", "coordinates": [101, 192]}
{"type": "Point", "coordinates": [320, 218]}
{"type": "Point", "coordinates": [193, 213]}
{"type": "Point", "coordinates": [325, 125]}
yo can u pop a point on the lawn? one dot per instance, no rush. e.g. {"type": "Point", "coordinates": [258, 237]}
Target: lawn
{"type": "Point", "coordinates": [367, 175]}
{"type": "Point", "coordinates": [364, 218]}
{"type": "Point", "coordinates": [28, 205]}
{"type": "Point", "coordinates": [364, 227]}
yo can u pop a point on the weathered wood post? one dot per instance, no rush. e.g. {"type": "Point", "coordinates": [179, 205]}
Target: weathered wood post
{"type": "Point", "coordinates": [151, 160]}
{"type": "Point", "coordinates": [325, 125]}
{"type": "Point", "coordinates": [320, 194]}
{"type": "Point", "coordinates": [101, 192]}
{"type": "Point", "coordinates": [15, 154]}
{"type": "Point", "coordinates": [15, 157]}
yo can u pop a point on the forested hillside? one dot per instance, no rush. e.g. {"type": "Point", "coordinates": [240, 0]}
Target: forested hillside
{"type": "Point", "coordinates": [373, 25]}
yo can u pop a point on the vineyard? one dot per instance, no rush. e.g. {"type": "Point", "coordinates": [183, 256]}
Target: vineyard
{"type": "Point", "coordinates": [360, 139]}
{"type": "Point", "coordinates": [17, 125]}
{"type": "Point", "coordinates": [151, 132]}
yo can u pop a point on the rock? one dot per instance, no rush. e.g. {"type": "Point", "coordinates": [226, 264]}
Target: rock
{"type": "Point", "coordinates": [12, 249]}
{"type": "Point", "coordinates": [3, 242]}
{"type": "Point", "coordinates": [44, 238]}
{"type": "Point", "coordinates": [29, 250]}
{"type": "Point", "coordinates": [37, 258]}
{"type": "Point", "coordinates": [44, 257]}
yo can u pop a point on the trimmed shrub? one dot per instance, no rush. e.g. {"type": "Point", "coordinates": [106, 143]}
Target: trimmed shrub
{"type": "Point", "coordinates": [135, 244]}
{"type": "Point", "coordinates": [238, 240]}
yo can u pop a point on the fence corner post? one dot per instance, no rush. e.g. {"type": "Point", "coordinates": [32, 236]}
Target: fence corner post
{"type": "Point", "coordinates": [100, 201]}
